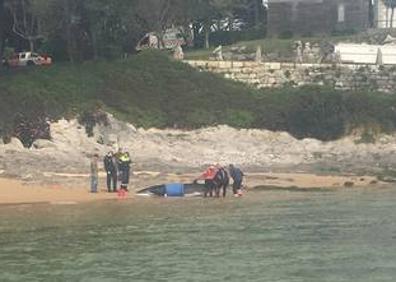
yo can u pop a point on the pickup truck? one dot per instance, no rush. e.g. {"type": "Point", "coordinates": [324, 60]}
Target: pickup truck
{"type": "Point", "coordinates": [28, 59]}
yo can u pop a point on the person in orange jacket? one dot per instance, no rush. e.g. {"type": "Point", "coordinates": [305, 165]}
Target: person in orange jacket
{"type": "Point", "coordinates": [209, 177]}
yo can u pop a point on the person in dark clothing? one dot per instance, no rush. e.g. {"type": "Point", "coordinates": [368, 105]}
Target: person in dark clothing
{"type": "Point", "coordinates": [125, 166]}
{"type": "Point", "coordinates": [110, 165]}
{"type": "Point", "coordinates": [237, 176]}
{"type": "Point", "coordinates": [222, 181]}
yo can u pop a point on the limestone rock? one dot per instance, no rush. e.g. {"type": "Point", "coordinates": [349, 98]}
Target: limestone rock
{"type": "Point", "coordinates": [43, 144]}
{"type": "Point", "coordinates": [15, 145]}
{"type": "Point", "coordinates": [168, 148]}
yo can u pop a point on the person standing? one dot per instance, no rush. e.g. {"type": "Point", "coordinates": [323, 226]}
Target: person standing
{"type": "Point", "coordinates": [94, 173]}
{"type": "Point", "coordinates": [125, 167]}
{"type": "Point", "coordinates": [237, 177]}
{"type": "Point", "coordinates": [209, 177]}
{"type": "Point", "coordinates": [117, 157]}
{"type": "Point", "coordinates": [110, 165]}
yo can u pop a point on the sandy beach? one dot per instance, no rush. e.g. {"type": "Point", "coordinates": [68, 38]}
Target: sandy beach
{"type": "Point", "coordinates": [19, 192]}
{"type": "Point", "coordinates": [14, 191]}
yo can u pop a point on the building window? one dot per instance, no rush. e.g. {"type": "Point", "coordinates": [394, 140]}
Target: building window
{"type": "Point", "coordinates": [341, 13]}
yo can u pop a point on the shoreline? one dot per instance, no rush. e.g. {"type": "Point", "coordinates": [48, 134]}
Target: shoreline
{"type": "Point", "coordinates": [64, 191]}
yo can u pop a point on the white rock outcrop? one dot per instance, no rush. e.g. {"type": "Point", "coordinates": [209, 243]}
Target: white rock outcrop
{"type": "Point", "coordinates": [43, 144]}
{"type": "Point", "coordinates": [70, 148]}
{"type": "Point", "coordinates": [15, 145]}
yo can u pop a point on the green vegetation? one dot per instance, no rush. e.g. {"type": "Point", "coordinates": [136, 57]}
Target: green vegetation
{"type": "Point", "coordinates": [81, 30]}
{"type": "Point", "coordinates": [151, 90]}
{"type": "Point", "coordinates": [281, 47]}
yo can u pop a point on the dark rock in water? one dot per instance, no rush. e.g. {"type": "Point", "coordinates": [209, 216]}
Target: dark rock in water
{"type": "Point", "coordinates": [349, 184]}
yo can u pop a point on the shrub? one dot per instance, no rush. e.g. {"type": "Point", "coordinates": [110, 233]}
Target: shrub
{"type": "Point", "coordinates": [200, 118]}
{"type": "Point", "coordinates": [324, 113]}
{"type": "Point", "coordinates": [286, 34]}
{"type": "Point", "coordinates": [28, 129]}
{"type": "Point", "coordinates": [368, 136]}
{"type": "Point", "coordinates": [315, 112]}
{"type": "Point", "coordinates": [89, 119]}
{"type": "Point", "coordinates": [239, 118]}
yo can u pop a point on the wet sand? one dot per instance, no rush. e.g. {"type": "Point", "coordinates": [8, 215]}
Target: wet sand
{"type": "Point", "coordinates": [18, 192]}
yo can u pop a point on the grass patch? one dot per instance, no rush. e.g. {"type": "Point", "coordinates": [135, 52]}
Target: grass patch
{"type": "Point", "coordinates": [152, 90]}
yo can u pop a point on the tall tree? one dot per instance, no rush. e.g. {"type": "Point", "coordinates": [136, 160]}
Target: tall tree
{"type": "Point", "coordinates": [210, 15]}
{"type": "Point", "coordinates": [104, 25]}
{"type": "Point", "coordinates": [74, 28]}
{"type": "Point", "coordinates": [204, 14]}
{"type": "Point", "coordinates": [84, 29]}
{"type": "Point", "coordinates": [26, 20]}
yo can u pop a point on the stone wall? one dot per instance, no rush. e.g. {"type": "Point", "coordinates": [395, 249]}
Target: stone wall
{"type": "Point", "coordinates": [272, 75]}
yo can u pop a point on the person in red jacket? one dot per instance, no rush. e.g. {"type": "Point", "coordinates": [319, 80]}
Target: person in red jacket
{"type": "Point", "coordinates": [209, 177]}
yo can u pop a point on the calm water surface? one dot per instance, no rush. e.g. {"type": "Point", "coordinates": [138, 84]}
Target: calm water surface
{"type": "Point", "coordinates": [266, 236]}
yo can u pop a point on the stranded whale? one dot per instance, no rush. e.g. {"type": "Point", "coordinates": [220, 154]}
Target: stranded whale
{"type": "Point", "coordinates": [173, 190]}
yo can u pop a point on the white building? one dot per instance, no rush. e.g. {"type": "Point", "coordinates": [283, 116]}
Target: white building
{"type": "Point", "coordinates": [366, 54]}
{"type": "Point", "coordinates": [383, 15]}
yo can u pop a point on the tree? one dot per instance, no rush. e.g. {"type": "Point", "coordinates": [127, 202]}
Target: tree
{"type": "Point", "coordinates": [158, 15]}
{"type": "Point", "coordinates": [205, 14]}
{"type": "Point", "coordinates": [26, 20]}
{"type": "Point", "coordinates": [107, 26]}
{"type": "Point", "coordinates": [213, 15]}
{"type": "Point", "coordinates": [84, 29]}
{"type": "Point", "coordinates": [252, 11]}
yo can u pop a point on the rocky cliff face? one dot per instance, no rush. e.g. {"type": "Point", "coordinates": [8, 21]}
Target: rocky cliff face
{"type": "Point", "coordinates": [169, 150]}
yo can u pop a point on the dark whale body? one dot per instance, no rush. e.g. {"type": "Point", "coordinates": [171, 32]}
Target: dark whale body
{"type": "Point", "coordinates": [173, 190]}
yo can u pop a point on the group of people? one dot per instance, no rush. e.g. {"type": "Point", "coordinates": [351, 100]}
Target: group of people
{"type": "Point", "coordinates": [117, 167]}
{"type": "Point", "coordinates": [217, 177]}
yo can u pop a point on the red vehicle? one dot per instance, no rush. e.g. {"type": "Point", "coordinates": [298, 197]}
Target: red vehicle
{"type": "Point", "coordinates": [28, 59]}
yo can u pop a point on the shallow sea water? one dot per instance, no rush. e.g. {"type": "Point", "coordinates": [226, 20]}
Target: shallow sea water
{"type": "Point", "coordinates": [344, 235]}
